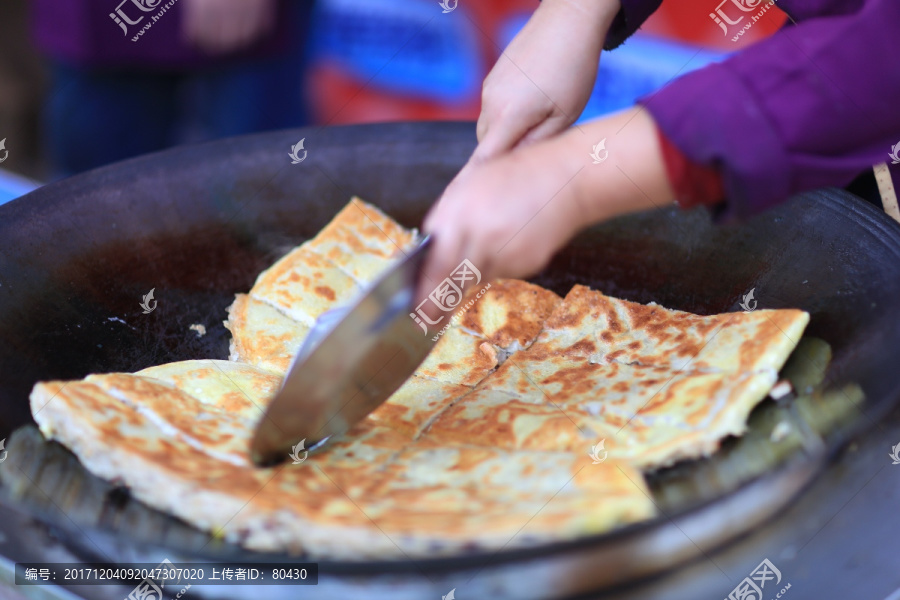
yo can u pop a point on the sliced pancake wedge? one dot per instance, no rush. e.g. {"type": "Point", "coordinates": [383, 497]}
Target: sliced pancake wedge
{"type": "Point", "coordinates": [650, 415]}
{"type": "Point", "coordinates": [686, 418]}
{"type": "Point", "coordinates": [459, 358]}
{"type": "Point", "coordinates": [461, 497]}
{"type": "Point", "coordinates": [303, 285]}
{"type": "Point", "coordinates": [499, 419]}
{"type": "Point", "coordinates": [262, 335]}
{"type": "Point", "coordinates": [362, 241]}
{"type": "Point", "coordinates": [236, 388]}
{"type": "Point", "coordinates": [292, 507]}
{"type": "Point", "coordinates": [617, 330]}
{"type": "Point", "coordinates": [221, 433]}
{"type": "Point", "coordinates": [510, 313]}
{"type": "Point", "coordinates": [416, 403]}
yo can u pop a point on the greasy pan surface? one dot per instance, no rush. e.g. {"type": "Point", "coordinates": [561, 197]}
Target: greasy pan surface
{"type": "Point", "coordinates": [197, 224]}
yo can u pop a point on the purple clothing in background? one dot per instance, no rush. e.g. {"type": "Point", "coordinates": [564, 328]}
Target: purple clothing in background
{"type": "Point", "coordinates": [81, 33]}
{"type": "Point", "coordinates": [814, 105]}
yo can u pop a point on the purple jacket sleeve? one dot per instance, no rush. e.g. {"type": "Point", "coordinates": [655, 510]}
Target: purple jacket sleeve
{"type": "Point", "coordinates": [812, 106]}
{"type": "Point", "coordinates": [631, 16]}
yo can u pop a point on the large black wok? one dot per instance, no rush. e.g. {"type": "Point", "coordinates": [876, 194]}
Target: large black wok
{"type": "Point", "coordinates": [197, 224]}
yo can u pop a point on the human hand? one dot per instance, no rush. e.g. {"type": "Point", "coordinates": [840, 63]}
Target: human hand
{"type": "Point", "coordinates": [495, 216]}
{"type": "Point", "coordinates": [221, 26]}
{"type": "Point", "coordinates": [510, 215]}
{"type": "Point", "coordinates": [544, 78]}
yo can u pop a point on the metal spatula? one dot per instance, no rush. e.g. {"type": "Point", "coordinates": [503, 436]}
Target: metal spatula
{"type": "Point", "coordinates": [353, 360]}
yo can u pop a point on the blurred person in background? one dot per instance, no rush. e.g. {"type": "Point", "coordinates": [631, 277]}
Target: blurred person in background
{"type": "Point", "coordinates": [137, 76]}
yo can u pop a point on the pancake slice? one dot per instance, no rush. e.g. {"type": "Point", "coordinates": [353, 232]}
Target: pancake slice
{"type": "Point", "coordinates": [459, 358]}
{"type": "Point", "coordinates": [686, 419]}
{"type": "Point", "coordinates": [498, 419]}
{"type": "Point", "coordinates": [507, 317]}
{"type": "Point", "coordinates": [262, 335]}
{"type": "Point", "coordinates": [651, 416]}
{"type": "Point", "coordinates": [270, 509]}
{"type": "Point", "coordinates": [362, 241]}
{"type": "Point", "coordinates": [239, 389]}
{"type": "Point", "coordinates": [416, 403]}
{"type": "Point", "coordinates": [761, 340]}
{"type": "Point", "coordinates": [465, 497]}
{"type": "Point", "coordinates": [303, 285]}
{"type": "Point", "coordinates": [592, 324]}
{"type": "Point", "coordinates": [221, 433]}
{"type": "Point", "coordinates": [510, 314]}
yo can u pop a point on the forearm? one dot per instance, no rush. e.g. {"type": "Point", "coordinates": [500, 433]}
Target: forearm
{"type": "Point", "coordinates": [631, 178]}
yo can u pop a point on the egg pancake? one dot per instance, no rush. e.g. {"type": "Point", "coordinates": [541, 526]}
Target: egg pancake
{"type": "Point", "coordinates": [235, 388]}
{"type": "Point", "coordinates": [262, 335]}
{"type": "Point", "coordinates": [592, 323]}
{"type": "Point", "coordinates": [459, 357]}
{"type": "Point", "coordinates": [416, 403]}
{"type": "Point", "coordinates": [362, 241]}
{"type": "Point", "coordinates": [303, 285]}
{"type": "Point", "coordinates": [649, 416]}
{"type": "Point", "coordinates": [492, 443]}
{"type": "Point", "coordinates": [513, 499]}
{"type": "Point", "coordinates": [370, 494]}
{"type": "Point", "coordinates": [510, 314]}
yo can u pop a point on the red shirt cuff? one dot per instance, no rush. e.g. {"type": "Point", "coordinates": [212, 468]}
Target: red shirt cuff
{"type": "Point", "coordinates": [694, 185]}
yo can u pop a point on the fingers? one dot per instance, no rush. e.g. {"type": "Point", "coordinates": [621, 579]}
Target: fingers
{"type": "Point", "coordinates": [503, 133]}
